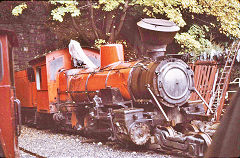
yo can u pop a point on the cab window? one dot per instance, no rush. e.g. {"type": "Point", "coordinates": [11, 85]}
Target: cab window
{"type": "Point", "coordinates": [10, 59]}
{"type": "Point", "coordinates": [55, 65]}
{"type": "Point", "coordinates": [1, 62]}
{"type": "Point", "coordinates": [41, 78]}
{"type": "Point", "coordinates": [38, 78]}
{"type": "Point", "coordinates": [31, 74]}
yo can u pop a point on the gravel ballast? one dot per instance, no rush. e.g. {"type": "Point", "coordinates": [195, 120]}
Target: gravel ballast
{"type": "Point", "coordinates": [47, 143]}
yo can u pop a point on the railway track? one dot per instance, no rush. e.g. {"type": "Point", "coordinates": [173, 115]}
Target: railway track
{"type": "Point", "coordinates": [31, 153]}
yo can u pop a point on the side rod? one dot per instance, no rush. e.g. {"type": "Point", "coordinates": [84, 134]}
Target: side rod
{"type": "Point", "coordinates": [158, 104]}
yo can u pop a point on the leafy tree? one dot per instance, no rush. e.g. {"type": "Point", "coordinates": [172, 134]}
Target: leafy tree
{"type": "Point", "coordinates": [203, 22]}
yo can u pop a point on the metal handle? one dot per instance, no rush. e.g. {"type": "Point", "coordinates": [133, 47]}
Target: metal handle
{"type": "Point", "coordinates": [18, 120]}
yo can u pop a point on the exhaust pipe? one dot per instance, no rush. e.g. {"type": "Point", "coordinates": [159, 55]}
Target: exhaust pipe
{"type": "Point", "coordinates": [156, 34]}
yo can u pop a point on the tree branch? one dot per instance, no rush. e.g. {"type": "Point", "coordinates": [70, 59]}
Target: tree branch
{"type": "Point", "coordinates": [112, 31]}
{"type": "Point", "coordinates": [109, 21]}
{"type": "Point", "coordinates": [75, 25]}
{"type": "Point", "coordinates": [94, 27]}
{"type": "Point", "coordinates": [126, 6]}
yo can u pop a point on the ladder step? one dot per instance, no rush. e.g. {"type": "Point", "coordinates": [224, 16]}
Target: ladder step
{"type": "Point", "coordinates": [227, 69]}
{"type": "Point", "coordinates": [222, 79]}
{"type": "Point", "coordinates": [227, 66]}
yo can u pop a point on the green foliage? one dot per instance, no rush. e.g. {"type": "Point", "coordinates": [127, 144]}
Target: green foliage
{"type": "Point", "coordinates": [99, 42]}
{"type": "Point", "coordinates": [63, 8]}
{"type": "Point", "coordinates": [19, 9]}
{"type": "Point", "coordinates": [194, 40]}
{"type": "Point", "coordinates": [224, 14]}
{"type": "Point", "coordinates": [110, 5]}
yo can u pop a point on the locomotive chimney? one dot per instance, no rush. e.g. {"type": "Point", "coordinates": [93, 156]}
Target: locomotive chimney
{"type": "Point", "coordinates": [156, 34]}
{"type": "Point", "coordinates": [111, 53]}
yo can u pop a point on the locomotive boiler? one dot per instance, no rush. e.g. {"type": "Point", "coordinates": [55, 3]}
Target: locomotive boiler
{"type": "Point", "coordinates": [170, 80]}
{"type": "Point", "coordinates": [143, 103]}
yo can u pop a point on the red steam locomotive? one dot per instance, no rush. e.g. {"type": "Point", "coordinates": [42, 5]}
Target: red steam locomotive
{"type": "Point", "coordinates": [9, 105]}
{"type": "Point", "coordinates": [143, 103]}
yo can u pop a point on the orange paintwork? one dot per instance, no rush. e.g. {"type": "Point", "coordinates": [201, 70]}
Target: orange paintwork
{"type": "Point", "coordinates": [111, 53]}
{"type": "Point", "coordinates": [53, 83]}
{"type": "Point", "coordinates": [115, 74]}
{"type": "Point", "coordinates": [97, 80]}
{"type": "Point", "coordinates": [74, 119]}
{"type": "Point", "coordinates": [8, 138]}
{"type": "Point", "coordinates": [56, 79]}
{"type": "Point", "coordinates": [40, 96]}
{"type": "Point", "coordinates": [25, 89]}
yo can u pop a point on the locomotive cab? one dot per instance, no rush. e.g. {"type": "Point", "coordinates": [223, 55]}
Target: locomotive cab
{"type": "Point", "coordinates": [39, 86]}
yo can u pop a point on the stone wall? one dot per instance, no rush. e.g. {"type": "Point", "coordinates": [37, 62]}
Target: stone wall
{"type": "Point", "coordinates": [34, 37]}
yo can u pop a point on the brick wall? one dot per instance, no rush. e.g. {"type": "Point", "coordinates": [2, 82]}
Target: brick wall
{"type": "Point", "coordinates": [34, 37]}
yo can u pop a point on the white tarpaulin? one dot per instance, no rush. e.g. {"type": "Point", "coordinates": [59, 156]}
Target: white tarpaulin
{"type": "Point", "coordinates": [77, 53]}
